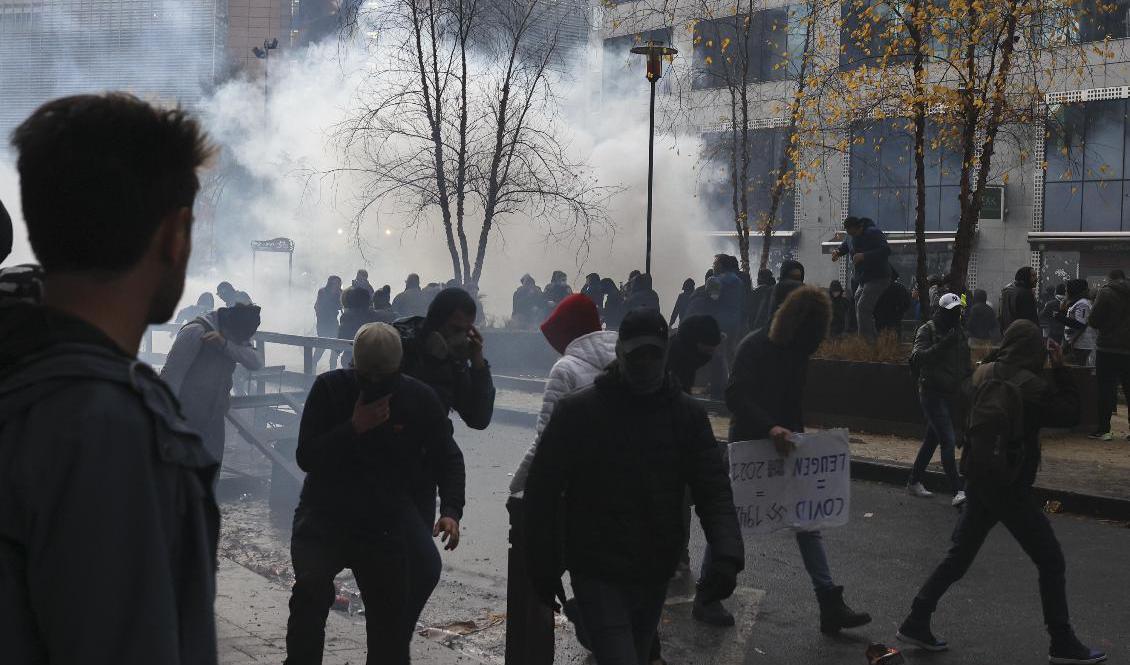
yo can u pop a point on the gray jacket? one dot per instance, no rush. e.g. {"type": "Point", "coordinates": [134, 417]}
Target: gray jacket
{"type": "Point", "coordinates": [108, 524]}
{"type": "Point", "coordinates": [940, 361]}
{"type": "Point", "coordinates": [200, 375]}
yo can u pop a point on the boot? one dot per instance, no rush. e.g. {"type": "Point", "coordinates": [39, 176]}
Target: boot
{"type": "Point", "coordinates": [835, 614]}
{"type": "Point", "coordinates": [1066, 649]}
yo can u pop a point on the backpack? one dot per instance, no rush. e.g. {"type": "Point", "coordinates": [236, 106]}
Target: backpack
{"type": "Point", "coordinates": [994, 446]}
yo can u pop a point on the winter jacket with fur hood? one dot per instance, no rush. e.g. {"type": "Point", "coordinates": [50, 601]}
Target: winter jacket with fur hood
{"type": "Point", "coordinates": [766, 385]}
{"type": "Point", "coordinates": [585, 358]}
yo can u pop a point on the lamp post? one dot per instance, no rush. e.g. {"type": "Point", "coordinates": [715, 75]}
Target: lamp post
{"type": "Point", "coordinates": [655, 52]}
{"type": "Point", "coordinates": [264, 53]}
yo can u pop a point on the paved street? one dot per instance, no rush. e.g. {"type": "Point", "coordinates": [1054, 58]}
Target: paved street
{"type": "Point", "coordinates": [893, 540]}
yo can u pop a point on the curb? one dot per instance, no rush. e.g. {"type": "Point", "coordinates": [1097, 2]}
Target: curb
{"type": "Point", "coordinates": [894, 473]}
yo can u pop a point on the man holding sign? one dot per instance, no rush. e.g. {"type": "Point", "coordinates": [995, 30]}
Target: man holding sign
{"type": "Point", "coordinates": [764, 396]}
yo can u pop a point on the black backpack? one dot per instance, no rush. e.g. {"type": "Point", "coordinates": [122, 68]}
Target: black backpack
{"type": "Point", "coordinates": [994, 446]}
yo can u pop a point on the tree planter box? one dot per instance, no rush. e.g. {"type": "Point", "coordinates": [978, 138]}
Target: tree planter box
{"type": "Point", "coordinates": [518, 352]}
{"type": "Point", "coordinates": [882, 397]}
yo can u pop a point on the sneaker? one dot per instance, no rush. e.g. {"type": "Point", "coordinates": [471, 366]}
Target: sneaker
{"type": "Point", "coordinates": [713, 614]}
{"type": "Point", "coordinates": [1101, 436]}
{"type": "Point", "coordinates": [958, 499]}
{"type": "Point", "coordinates": [1066, 649]}
{"type": "Point", "coordinates": [919, 490]}
{"type": "Point", "coordinates": [921, 637]}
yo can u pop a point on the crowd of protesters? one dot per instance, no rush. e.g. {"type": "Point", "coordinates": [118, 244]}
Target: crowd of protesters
{"type": "Point", "coordinates": [620, 452]}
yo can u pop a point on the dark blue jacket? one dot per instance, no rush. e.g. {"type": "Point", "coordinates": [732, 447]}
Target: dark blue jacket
{"type": "Point", "coordinates": [872, 243]}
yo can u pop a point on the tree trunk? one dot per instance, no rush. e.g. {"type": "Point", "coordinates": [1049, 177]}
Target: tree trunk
{"type": "Point", "coordinates": [461, 168]}
{"type": "Point", "coordinates": [741, 224]}
{"type": "Point", "coordinates": [918, 69]}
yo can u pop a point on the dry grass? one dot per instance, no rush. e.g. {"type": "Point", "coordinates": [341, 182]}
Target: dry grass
{"type": "Point", "coordinates": [886, 349]}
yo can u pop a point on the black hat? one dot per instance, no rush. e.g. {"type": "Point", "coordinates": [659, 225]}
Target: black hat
{"type": "Point", "coordinates": [643, 327]}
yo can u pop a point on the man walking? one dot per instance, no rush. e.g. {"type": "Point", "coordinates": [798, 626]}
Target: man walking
{"type": "Point", "coordinates": [940, 361]}
{"type": "Point", "coordinates": [200, 365]}
{"type": "Point", "coordinates": [616, 459]}
{"type": "Point", "coordinates": [1018, 299]}
{"type": "Point", "coordinates": [108, 525]}
{"type": "Point", "coordinates": [866, 247]}
{"type": "Point", "coordinates": [366, 435]}
{"type": "Point", "coordinates": [764, 396]}
{"type": "Point", "coordinates": [411, 301]}
{"type": "Point", "coordinates": [327, 307]}
{"type": "Point", "coordinates": [1000, 488]}
{"type": "Point", "coordinates": [1110, 315]}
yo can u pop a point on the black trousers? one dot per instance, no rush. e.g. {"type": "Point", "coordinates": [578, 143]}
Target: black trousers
{"type": "Point", "coordinates": [380, 565]}
{"type": "Point", "coordinates": [1111, 369]}
{"type": "Point", "coordinates": [1019, 513]}
{"type": "Point", "coordinates": [620, 618]}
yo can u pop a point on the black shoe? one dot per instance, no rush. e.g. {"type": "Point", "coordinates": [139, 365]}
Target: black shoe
{"type": "Point", "coordinates": [1066, 649]}
{"type": "Point", "coordinates": [835, 615]}
{"type": "Point", "coordinates": [713, 614]}
{"type": "Point", "coordinates": [573, 614]}
{"type": "Point", "coordinates": [920, 636]}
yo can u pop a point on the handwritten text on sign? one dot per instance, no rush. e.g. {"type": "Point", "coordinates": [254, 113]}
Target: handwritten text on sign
{"type": "Point", "coordinates": [809, 489]}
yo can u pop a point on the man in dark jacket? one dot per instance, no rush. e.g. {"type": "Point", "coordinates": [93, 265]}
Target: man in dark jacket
{"type": "Point", "coordinates": [593, 290]}
{"type": "Point", "coordinates": [327, 307]}
{"type": "Point", "coordinates": [843, 311]}
{"type": "Point", "coordinates": [528, 304]}
{"type": "Point", "coordinates": [941, 362]}
{"type": "Point", "coordinates": [679, 311]}
{"type": "Point", "coordinates": [557, 290]}
{"type": "Point", "coordinates": [361, 281]}
{"type": "Point", "coordinates": [411, 301]}
{"type": "Point", "coordinates": [105, 492]}
{"type": "Point", "coordinates": [1110, 316]}
{"type": "Point", "coordinates": [981, 322]}
{"type": "Point", "coordinates": [642, 296]}
{"type": "Point", "coordinates": [764, 396]}
{"type": "Point", "coordinates": [692, 346]}
{"type": "Point", "coordinates": [365, 437]}
{"type": "Point", "coordinates": [758, 308]}
{"type": "Point", "coordinates": [1019, 360]}
{"type": "Point", "coordinates": [866, 247]}
{"type": "Point", "coordinates": [616, 458]}
{"type": "Point", "coordinates": [791, 278]}
{"type": "Point", "coordinates": [1018, 300]}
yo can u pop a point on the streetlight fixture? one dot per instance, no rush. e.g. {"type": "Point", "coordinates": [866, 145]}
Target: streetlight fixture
{"type": "Point", "coordinates": [264, 53]}
{"type": "Point", "coordinates": [655, 52]}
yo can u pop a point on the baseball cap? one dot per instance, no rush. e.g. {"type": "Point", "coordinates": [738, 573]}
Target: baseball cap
{"type": "Point", "coordinates": [643, 327]}
{"type": "Point", "coordinates": [377, 350]}
{"type": "Point", "coordinates": [949, 301]}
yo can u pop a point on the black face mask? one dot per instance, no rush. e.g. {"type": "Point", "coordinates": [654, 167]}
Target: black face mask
{"type": "Point", "coordinates": [374, 389]}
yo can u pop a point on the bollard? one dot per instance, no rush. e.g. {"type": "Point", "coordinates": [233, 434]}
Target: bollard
{"type": "Point", "coordinates": [529, 623]}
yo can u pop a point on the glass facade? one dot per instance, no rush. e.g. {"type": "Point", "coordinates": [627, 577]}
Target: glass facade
{"type": "Point", "coordinates": [859, 45]}
{"type": "Point", "coordinates": [882, 178]}
{"type": "Point", "coordinates": [1085, 182]}
{"type": "Point", "coordinates": [766, 146]}
{"type": "Point", "coordinates": [725, 53]}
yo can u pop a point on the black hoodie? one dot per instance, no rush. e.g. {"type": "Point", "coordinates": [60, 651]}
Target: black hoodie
{"type": "Point", "coordinates": [105, 501]}
{"type": "Point", "coordinates": [1018, 301]}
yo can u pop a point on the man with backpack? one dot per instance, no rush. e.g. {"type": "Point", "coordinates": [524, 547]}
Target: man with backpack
{"type": "Point", "coordinates": [1011, 403]}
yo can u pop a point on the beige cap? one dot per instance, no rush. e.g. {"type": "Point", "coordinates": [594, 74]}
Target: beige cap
{"type": "Point", "coordinates": [376, 350]}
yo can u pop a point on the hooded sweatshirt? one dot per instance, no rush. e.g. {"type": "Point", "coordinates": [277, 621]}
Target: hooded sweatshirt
{"type": "Point", "coordinates": [584, 359]}
{"type": "Point", "coordinates": [105, 493]}
{"type": "Point", "coordinates": [1110, 315]}
{"type": "Point", "coordinates": [1046, 404]}
{"type": "Point", "coordinates": [1018, 301]}
{"type": "Point", "coordinates": [784, 287]}
{"type": "Point", "coordinates": [872, 243]}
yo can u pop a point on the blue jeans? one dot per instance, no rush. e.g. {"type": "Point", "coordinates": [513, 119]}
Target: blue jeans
{"type": "Point", "coordinates": [937, 410]}
{"type": "Point", "coordinates": [811, 546]}
{"type": "Point", "coordinates": [621, 618]}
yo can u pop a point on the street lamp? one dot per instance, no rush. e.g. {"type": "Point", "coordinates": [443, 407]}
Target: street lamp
{"type": "Point", "coordinates": [655, 52]}
{"type": "Point", "coordinates": [264, 53]}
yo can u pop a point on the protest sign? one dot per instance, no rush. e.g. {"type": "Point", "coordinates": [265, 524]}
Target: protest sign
{"type": "Point", "coordinates": [810, 489]}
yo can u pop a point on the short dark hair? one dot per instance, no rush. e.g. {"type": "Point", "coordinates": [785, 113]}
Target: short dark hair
{"type": "Point", "coordinates": [98, 173]}
{"type": "Point", "coordinates": [447, 302]}
{"type": "Point", "coordinates": [851, 222]}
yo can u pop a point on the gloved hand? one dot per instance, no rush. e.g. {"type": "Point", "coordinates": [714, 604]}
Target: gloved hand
{"type": "Point", "coordinates": [719, 582]}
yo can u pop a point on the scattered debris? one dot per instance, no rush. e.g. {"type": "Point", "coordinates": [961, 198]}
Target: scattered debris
{"type": "Point", "coordinates": [1053, 506]}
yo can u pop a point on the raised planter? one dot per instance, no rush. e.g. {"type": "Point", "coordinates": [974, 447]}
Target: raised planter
{"type": "Point", "coordinates": [518, 352]}
{"type": "Point", "coordinates": [882, 398]}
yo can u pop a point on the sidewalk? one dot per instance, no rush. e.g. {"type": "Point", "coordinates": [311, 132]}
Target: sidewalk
{"type": "Point", "coordinates": [1072, 464]}
{"type": "Point", "coordinates": [251, 615]}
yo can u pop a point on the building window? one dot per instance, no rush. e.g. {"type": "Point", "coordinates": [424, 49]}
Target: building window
{"type": "Point", "coordinates": [1085, 182]}
{"type": "Point", "coordinates": [766, 146]}
{"type": "Point", "coordinates": [1086, 21]}
{"type": "Point", "coordinates": [882, 177]}
{"type": "Point", "coordinates": [739, 49]}
{"type": "Point", "coordinates": [623, 71]}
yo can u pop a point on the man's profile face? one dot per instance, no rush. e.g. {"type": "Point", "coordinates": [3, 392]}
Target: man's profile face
{"type": "Point", "coordinates": [458, 324]}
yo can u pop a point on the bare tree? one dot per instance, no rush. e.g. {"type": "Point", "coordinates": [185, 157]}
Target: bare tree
{"type": "Point", "coordinates": [457, 115]}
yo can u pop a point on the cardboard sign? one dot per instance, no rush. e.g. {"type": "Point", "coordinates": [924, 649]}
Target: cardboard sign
{"type": "Point", "coordinates": [808, 490]}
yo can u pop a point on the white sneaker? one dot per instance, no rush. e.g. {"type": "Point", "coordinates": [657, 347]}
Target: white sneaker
{"type": "Point", "coordinates": [958, 499]}
{"type": "Point", "coordinates": [918, 490]}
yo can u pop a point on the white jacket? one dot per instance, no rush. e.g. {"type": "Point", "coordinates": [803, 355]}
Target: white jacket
{"type": "Point", "coordinates": [585, 358]}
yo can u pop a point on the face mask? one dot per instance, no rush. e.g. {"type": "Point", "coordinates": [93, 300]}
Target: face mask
{"type": "Point", "coordinates": [642, 376]}
{"type": "Point", "coordinates": [458, 346]}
